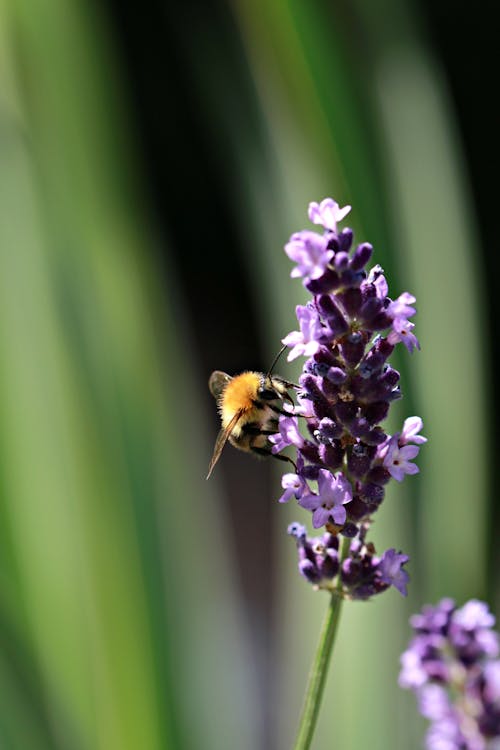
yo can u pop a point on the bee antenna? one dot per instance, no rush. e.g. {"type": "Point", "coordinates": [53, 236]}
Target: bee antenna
{"type": "Point", "coordinates": [276, 360]}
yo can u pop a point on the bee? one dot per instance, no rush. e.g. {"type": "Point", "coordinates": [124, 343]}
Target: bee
{"type": "Point", "coordinates": [249, 406]}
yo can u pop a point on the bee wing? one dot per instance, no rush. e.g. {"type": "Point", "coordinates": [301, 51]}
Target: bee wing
{"type": "Point", "coordinates": [217, 382]}
{"type": "Point", "coordinates": [222, 438]}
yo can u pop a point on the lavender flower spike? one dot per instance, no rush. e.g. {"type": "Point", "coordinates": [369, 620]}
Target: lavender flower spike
{"type": "Point", "coordinates": [347, 333]}
{"type": "Point", "coordinates": [452, 665]}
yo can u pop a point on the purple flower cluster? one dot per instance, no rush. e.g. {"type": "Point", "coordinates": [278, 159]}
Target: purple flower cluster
{"type": "Point", "coordinates": [347, 332]}
{"type": "Point", "coordinates": [361, 574]}
{"type": "Point", "coordinates": [452, 665]}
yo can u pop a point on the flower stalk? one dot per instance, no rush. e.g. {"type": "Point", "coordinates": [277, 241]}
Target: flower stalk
{"type": "Point", "coordinates": [319, 668]}
{"type": "Point", "coordinates": [318, 674]}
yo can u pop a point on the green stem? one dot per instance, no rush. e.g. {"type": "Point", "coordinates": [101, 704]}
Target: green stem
{"type": "Point", "coordinates": [317, 677]}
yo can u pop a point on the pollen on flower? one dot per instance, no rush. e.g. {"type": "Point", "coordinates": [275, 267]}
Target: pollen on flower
{"type": "Point", "coordinates": [346, 396]}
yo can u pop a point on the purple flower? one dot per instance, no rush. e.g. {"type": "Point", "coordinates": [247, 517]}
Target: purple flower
{"type": "Point", "coordinates": [310, 251]}
{"type": "Point", "coordinates": [401, 307]}
{"type": "Point", "coordinates": [293, 484]}
{"type": "Point", "coordinates": [434, 702]}
{"type": "Point", "coordinates": [446, 735]}
{"type": "Point", "coordinates": [318, 556]}
{"type": "Point", "coordinates": [433, 619]}
{"type": "Point", "coordinates": [492, 682]}
{"type": "Point", "coordinates": [288, 434]}
{"type": "Point", "coordinates": [305, 341]}
{"type": "Point", "coordinates": [470, 631]}
{"type": "Point", "coordinates": [397, 460]}
{"type": "Point", "coordinates": [401, 331]}
{"type": "Point", "coordinates": [327, 213]}
{"type": "Point", "coordinates": [391, 570]}
{"type": "Point", "coordinates": [377, 278]}
{"type": "Point", "coordinates": [473, 615]}
{"type": "Point", "coordinates": [298, 531]}
{"type": "Point", "coordinates": [412, 675]}
{"type": "Point", "coordinates": [304, 406]}
{"type": "Point", "coordinates": [333, 493]}
{"type": "Point", "coordinates": [409, 433]}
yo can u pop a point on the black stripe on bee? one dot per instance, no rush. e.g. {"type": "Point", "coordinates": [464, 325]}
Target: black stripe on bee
{"type": "Point", "coordinates": [268, 394]}
{"type": "Point", "coordinates": [259, 405]}
{"type": "Point", "coordinates": [253, 428]}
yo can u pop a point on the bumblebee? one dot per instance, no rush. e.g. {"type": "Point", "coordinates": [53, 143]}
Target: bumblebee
{"type": "Point", "coordinates": [249, 406]}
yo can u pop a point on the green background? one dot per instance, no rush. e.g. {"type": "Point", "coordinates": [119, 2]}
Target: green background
{"type": "Point", "coordinates": [140, 606]}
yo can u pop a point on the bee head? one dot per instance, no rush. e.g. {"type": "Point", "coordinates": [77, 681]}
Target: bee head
{"type": "Point", "coordinates": [266, 390]}
{"type": "Point", "coordinates": [272, 388]}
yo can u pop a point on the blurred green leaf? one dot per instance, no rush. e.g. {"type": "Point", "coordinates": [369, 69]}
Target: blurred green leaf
{"type": "Point", "coordinates": [98, 488]}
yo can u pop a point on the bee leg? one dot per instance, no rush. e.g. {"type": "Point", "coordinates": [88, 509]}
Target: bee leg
{"type": "Point", "coordinates": [288, 397]}
{"type": "Point", "coordinates": [277, 410]}
{"type": "Point", "coordinates": [256, 431]}
{"type": "Point", "coordinates": [266, 452]}
{"type": "Point", "coordinates": [252, 429]}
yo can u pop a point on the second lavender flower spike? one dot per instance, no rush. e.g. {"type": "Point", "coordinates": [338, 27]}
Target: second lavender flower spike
{"type": "Point", "coordinates": [452, 665]}
{"type": "Point", "coordinates": [347, 333]}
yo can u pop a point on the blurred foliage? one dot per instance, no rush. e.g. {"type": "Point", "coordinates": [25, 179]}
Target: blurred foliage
{"type": "Point", "coordinates": [122, 624]}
